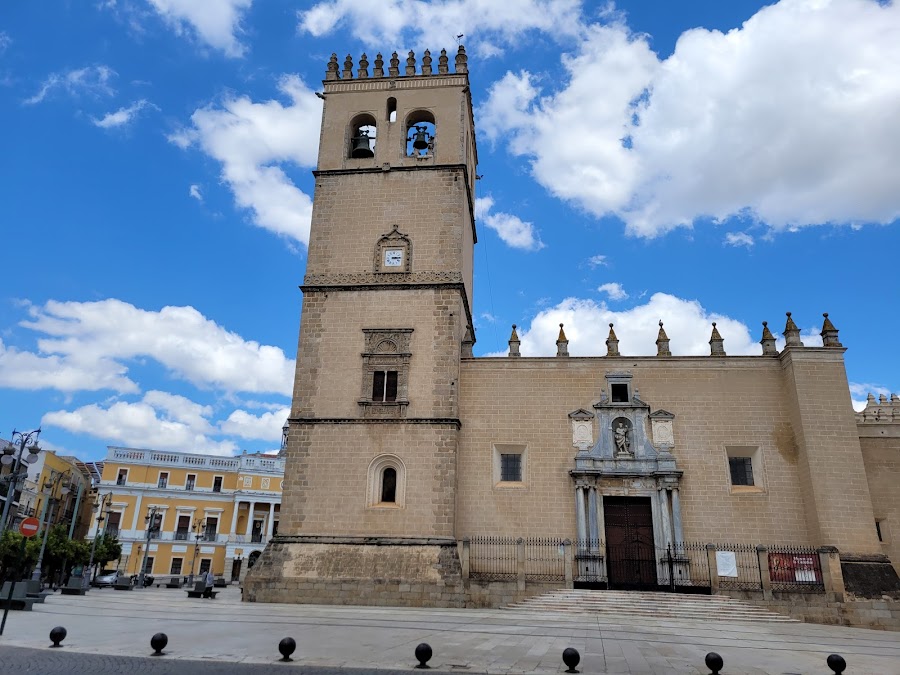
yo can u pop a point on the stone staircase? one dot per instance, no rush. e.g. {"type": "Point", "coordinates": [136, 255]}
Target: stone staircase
{"type": "Point", "coordinates": [631, 604]}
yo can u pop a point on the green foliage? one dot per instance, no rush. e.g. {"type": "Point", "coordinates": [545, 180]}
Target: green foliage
{"type": "Point", "coordinates": [108, 549]}
{"type": "Point", "coordinates": [10, 545]}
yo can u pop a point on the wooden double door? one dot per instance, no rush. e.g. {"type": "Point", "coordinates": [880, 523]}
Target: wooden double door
{"type": "Point", "coordinates": [630, 551]}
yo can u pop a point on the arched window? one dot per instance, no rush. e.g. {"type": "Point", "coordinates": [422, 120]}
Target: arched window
{"type": "Point", "coordinates": [420, 135]}
{"type": "Point", "coordinates": [387, 482]}
{"type": "Point", "coordinates": [362, 137]}
{"type": "Point", "coordinates": [392, 110]}
{"type": "Point", "coordinates": [389, 485]}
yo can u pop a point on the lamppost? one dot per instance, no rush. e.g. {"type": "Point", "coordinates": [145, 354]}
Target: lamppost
{"type": "Point", "coordinates": [12, 454]}
{"type": "Point", "coordinates": [152, 518]}
{"type": "Point", "coordinates": [198, 525]}
{"type": "Point", "coordinates": [99, 509]}
{"type": "Point", "coordinates": [48, 488]}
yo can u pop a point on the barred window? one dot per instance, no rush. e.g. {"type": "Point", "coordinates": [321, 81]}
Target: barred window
{"type": "Point", "coordinates": [511, 468]}
{"type": "Point", "coordinates": [741, 470]}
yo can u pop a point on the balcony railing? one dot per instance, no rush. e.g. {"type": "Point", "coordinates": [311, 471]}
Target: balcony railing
{"type": "Point", "coordinates": [182, 535]}
{"type": "Point", "coordinates": [256, 538]}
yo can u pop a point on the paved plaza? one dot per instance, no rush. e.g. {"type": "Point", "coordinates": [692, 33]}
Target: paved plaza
{"type": "Point", "coordinates": [119, 624]}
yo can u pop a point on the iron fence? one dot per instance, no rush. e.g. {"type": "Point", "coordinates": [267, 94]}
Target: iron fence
{"type": "Point", "coordinates": [738, 567]}
{"type": "Point", "coordinates": [795, 568]}
{"type": "Point", "coordinates": [687, 565]}
{"type": "Point", "coordinates": [493, 558]}
{"type": "Point", "coordinates": [545, 559]}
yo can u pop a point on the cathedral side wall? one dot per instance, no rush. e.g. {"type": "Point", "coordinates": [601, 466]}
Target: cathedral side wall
{"type": "Point", "coordinates": [881, 456]}
{"type": "Point", "coordinates": [736, 401]}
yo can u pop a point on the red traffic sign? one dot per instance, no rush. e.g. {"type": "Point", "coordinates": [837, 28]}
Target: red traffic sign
{"type": "Point", "coordinates": [29, 527]}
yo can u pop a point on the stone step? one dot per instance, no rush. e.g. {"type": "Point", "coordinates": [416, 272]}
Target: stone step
{"type": "Point", "coordinates": [649, 604]}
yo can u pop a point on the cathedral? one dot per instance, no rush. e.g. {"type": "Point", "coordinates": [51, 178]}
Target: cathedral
{"type": "Point", "coordinates": [417, 474]}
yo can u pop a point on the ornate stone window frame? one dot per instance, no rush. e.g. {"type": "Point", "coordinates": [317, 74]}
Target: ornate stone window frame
{"type": "Point", "coordinates": [386, 349]}
{"type": "Point", "coordinates": [393, 241]}
{"type": "Point", "coordinates": [374, 483]}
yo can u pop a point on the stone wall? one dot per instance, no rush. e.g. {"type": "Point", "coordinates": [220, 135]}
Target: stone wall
{"type": "Point", "coordinates": [814, 608]}
{"type": "Point", "coordinates": [879, 436]}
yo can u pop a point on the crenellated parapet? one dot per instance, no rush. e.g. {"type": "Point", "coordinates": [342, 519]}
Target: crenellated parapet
{"type": "Point", "coordinates": [411, 67]}
{"type": "Point", "coordinates": [884, 410]}
{"type": "Point", "coordinates": [768, 341]}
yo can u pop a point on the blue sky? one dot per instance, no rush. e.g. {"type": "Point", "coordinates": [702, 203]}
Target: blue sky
{"type": "Point", "coordinates": [689, 162]}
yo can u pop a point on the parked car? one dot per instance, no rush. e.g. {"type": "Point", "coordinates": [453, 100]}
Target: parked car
{"type": "Point", "coordinates": [106, 578]}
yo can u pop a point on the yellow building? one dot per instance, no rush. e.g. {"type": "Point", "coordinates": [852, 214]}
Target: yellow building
{"type": "Point", "coordinates": [56, 490]}
{"type": "Point", "coordinates": [187, 513]}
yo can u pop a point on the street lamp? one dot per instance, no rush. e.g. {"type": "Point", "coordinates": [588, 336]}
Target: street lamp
{"type": "Point", "coordinates": [12, 454]}
{"type": "Point", "coordinates": [99, 509]}
{"type": "Point", "coordinates": [48, 488]}
{"type": "Point", "coordinates": [152, 526]}
{"type": "Point", "coordinates": [198, 525]}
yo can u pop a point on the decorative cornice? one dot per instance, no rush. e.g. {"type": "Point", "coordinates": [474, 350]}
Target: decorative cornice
{"type": "Point", "coordinates": [382, 279]}
{"type": "Point", "coordinates": [433, 421]}
{"type": "Point", "coordinates": [362, 541]}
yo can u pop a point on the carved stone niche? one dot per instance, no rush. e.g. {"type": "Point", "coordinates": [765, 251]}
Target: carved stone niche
{"type": "Point", "coordinates": [387, 350]}
{"type": "Point", "coordinates": [393, 253]}
{"type": "Point", "coordinates": [582, 429]}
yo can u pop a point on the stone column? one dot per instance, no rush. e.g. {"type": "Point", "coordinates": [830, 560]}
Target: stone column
{"type": "Point", "coordinates": [676, 516]}
{"type": "Point", "coordinates": [593, 525]}
{"type": "Point", "coordinates": [271, 524]}
{"type": "Point", "coordinates": [580, 516]}
{"type": "Point", "coordinates": [765, 578]}
{"type": "Point", "coordinates": [249, 529]}
{"type": "Point", "coordinates": [568, 560]}
{"type": "Point", "coordinates": [520, 564]}
{"type": "Point", "coordinates": [664, 515]}
{"type": "Point", "coordinates": [234, 516]}
{"type": "Point", "coordinates": [134, 522]}
{"type": "Point", "coordinates": [464, 558]}
{"type": "Point", "coordinates": [832, 576]}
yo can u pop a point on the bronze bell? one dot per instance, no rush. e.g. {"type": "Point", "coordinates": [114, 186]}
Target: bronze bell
{"type": "Point", "coordinates": [420, 141]}
{"type": "Point", "coordinates": [362, 147]}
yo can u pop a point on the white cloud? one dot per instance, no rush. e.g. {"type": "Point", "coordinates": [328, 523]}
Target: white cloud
{"type": "Point", "coordinates": [160, 421]}
{"type": "Point", "coordinates": [859, 392]}
{"type": "Point", "coordinates": [122, 116]}
{"type": "Point", "coordinates": [486, 24]}
{"type": "Point", "coordinates": [215, 22]}
{"type": "Point", "coordinates": [597, 261]}
{"type": "Point", "coordinates": [613, 290]}
{"type": "Point", "coordinates": [196, 193]}
{"type": "Point", "coordinates": [95, 340]}
{"type": "Point", "coordinates": [789, 120]}
{"type": "Point", "coordinates": [511, 229]}
{"type": "Point", "coordinates": [250, 140]}
{"type": "Point", "coordinates": [739, 239]}
{"type": "Point", "coordinates": [265, 427]}
{"type": "Point", "coordinates": [93, 80]}
{"type": "Point", "coordinates": [5, 41]}
{"type": "Point", "coordinates": [687, 323]}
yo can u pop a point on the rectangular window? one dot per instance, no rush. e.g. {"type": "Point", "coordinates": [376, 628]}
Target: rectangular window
{"type": "Point", "coordinates": [511, 468]}
{"type": "Point", "coordinates": [205, 565]}
{"type": "Point", "coordinates": [212, 525]}
{"type": "Point", "coordinates": [190, 482]}
{"type": "Point", "coordinates": [183, 530]}
{"type": "Point", "coordinates": [619, 393]}
{"type": "Point", "coordinates": [155, 526]}
{"type": "Point", "coordinates": [122, 477]}
{"type": "Point", "coordinates": [878, 530]}
{"type": "Point", "coordinates": [112, 525]}
{"type": "Point", "coordinates": [176, 566]}
{"type": "Point", "coordinates": [217, 484]}
{"type": "Point", "coordinates": [148, 568]}
{"type": "Point", "coordinates": [163, 479]}
{"type": "Point", "coordinates": [741, 470]}
{"type": "Point", "coordinates": [384, 385]}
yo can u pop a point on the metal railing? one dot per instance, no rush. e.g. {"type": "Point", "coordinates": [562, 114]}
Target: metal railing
{"type": "Point", "coordinates": [795, 568]}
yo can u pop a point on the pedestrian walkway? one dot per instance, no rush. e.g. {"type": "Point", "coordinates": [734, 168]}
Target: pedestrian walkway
{"type": "Point", "coordinates": [470, 641]}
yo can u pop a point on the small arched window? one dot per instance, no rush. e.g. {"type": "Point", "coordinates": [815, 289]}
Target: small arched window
{"type": "Point", "coordinates": [363, 131]}
{"type": "Point", "coordinates": [392, 110]}
{"type": "Point", "coordinates": [387, 482]}
{"type": "Point", "coordinates": [389, 485]}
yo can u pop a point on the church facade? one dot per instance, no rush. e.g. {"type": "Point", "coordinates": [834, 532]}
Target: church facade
{"type": "Point", "coordinates": [405, 453]}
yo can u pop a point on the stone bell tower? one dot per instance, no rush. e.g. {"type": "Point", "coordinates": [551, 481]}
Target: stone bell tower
{"type": "Point", "coordinates": [368, 510]}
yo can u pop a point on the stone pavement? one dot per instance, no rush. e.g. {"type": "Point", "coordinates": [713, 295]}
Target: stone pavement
{"type": "Point", "coordinates": [120, 624]}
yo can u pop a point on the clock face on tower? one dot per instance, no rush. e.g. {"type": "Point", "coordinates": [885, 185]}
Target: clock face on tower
{"type": "Point", "coordinates": [393, 257]}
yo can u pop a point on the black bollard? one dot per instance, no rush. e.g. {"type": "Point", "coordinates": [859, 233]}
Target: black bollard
{"type": "Point", "coordinates": [423, 655]}
{"type": "Point", "coordinates": [714, 662]}
{"type": "Point", "coordinates": [836, 663]}
{"type": "Point", "coordinates": [57, 635]}
{"type": "Point", "coordinates": [287, 647]}
{"type": "Point", "coordinates": [571, 657]}
{"type": "Point", "coordinates": [159, 642]}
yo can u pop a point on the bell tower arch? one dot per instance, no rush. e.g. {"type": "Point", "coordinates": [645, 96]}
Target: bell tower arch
{"type": "Point", "coordinates": [380, 344]}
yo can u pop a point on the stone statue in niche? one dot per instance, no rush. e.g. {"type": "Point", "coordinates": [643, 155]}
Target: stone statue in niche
{"type": "Point", "coordinates": [623, 443]}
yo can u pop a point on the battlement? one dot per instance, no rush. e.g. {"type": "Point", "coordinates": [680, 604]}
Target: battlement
{"type": "Point", "coordinates": [882, 411]}
{"type": "Point", "coordinates": [334, 71]}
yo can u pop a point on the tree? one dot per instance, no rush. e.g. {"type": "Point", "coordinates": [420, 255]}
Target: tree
{"type": "Point", "coordinates": [10, 545]}
{"type": "Point", "coordinates": [108, 548]}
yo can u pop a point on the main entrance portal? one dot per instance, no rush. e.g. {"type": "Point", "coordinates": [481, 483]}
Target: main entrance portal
{"type": "Point", "coordinates": [630, 552]}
